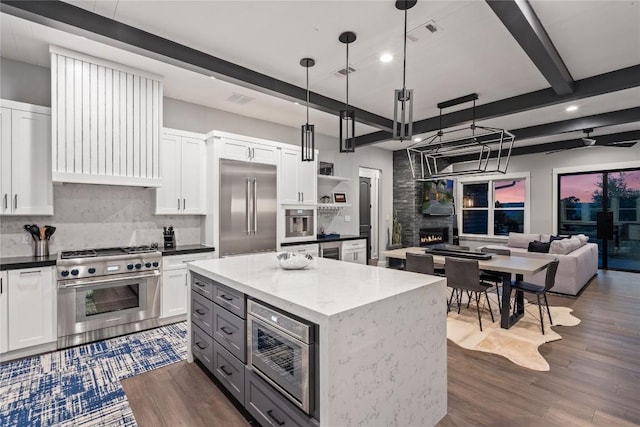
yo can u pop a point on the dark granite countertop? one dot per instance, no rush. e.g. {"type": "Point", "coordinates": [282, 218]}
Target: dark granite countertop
{"type": "Point", "coordinates": [19, 262]}
{"type": "Point", "coordinates": [186, 249]}
{"type": "Point", "coordinates": [343, 237]}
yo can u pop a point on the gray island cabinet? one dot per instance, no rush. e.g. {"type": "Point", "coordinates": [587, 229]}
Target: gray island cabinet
{"type": "Point", "coordinates": [381, 336]}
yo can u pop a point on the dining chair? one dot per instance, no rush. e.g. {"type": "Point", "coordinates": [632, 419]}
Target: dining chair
{"type": "Point", "coordinates": [463, 275]}
{"type": "Point", "coordinates": [549, 281]}
{"type": "Point", "coordinates": [419, 263]}
{"type": "Point", "coordinates": [489, 276]}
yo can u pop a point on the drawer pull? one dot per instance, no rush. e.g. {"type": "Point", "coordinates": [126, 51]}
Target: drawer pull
{"type": "Point", "coordinates": [200, 346]}
{"type": "Point", "coordinates": [270, 413]}
{"type": "Point", "coordinates": [200, 312]}
{"type": "Point", "coordinates": [198, 284]}
{"type": "Point", "coordinates": [226, 331]}
{"type": "Point", "coordinates": [227, 373]}
{"type": "Point", "coordinates": [226, 298]}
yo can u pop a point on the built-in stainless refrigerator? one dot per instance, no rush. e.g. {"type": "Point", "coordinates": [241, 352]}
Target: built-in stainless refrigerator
{"type": "Point", "coordinates": [248, 204]}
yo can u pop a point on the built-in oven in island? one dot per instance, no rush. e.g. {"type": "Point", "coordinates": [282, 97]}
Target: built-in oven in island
{"type": "Point", "coordinates": [282, 349]}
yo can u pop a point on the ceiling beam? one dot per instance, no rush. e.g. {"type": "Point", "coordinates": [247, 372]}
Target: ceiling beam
{"type": "Point", "coordinates": [522, 22]}
{"type": "Point", "coordinates": [613, 81]}
{"type": "Point", "coordinates": [69, 18]}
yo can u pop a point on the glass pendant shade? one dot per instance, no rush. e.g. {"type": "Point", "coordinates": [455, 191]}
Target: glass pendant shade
{"type": "Point", "coordinates": [307, 130]}
{"type": "Point", "coordinates": [347, 115]}
{"type": "Point", "coordinates": [347, 131]}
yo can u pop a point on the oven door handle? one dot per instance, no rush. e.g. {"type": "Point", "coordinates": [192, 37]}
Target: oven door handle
{"type": "Point", "coordinates": [100, 280]}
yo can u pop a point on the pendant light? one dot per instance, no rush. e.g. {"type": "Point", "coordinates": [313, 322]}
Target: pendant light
{"type": "Point", "coordinates": [348, 115]}
{"type": "Point", "coordinates": [308, 133]}
{"type": "Point", "coordinates": [403, 98]}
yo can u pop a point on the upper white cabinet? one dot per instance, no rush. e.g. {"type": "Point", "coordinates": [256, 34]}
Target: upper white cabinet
{"type": "Point", "coordinates": [106, 121]}
{"type": "Point", "coordinates": [248, 151]}
{"type": "Point", "coordinates": [298, 183]}
{"type": "Point", "coordinates": [183, 174]}
{"type": "Point", "coordinates": [31, 300]}
{"type": "Point", "coordinates": [25, 150]}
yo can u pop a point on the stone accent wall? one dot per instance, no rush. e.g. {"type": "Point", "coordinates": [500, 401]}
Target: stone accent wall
{"type": "Point", "coordinates": [407, 199]}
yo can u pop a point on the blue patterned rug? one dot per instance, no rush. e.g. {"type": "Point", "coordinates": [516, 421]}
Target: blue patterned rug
{"type": "Point", "coordinates": [81, 385]}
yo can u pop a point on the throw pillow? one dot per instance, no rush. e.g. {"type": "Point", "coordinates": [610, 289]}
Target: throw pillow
{"type": "Point", "coordinates": [565, 246]}
{"type": "Point", "coordinates": [583, 238]}
{"type": "Point", "coordinates": [552, 238]}
{"type": "Point", "coordinates": [521, 240]}
{"type": "Point", "coordinates": [537, 246]}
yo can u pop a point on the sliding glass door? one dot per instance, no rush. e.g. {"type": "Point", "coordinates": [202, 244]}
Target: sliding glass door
{"type": "Point", "coordinates": [606, 207]}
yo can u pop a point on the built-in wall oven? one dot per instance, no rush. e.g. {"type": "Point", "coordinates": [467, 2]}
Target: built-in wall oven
{"type": "Point", "coordinates": [282, 349]}
{"type": "Point", "coordinates": [105, 290]}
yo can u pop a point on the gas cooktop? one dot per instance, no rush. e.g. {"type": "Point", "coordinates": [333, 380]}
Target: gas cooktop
{"type": "Point", "coordinates": [91, 253]}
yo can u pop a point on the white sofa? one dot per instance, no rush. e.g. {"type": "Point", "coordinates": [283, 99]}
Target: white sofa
{"type": "Point", "coordinates": [575, 269]}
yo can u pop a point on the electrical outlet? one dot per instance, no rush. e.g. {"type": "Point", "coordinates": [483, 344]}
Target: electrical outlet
{"type": "Point", "coordinates": [347, 218]}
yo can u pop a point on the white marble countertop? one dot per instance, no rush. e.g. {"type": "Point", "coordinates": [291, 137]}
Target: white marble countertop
{"type": "Point", "coordinates": [325, 288]}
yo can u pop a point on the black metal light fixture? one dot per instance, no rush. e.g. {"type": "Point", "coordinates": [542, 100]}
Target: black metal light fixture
{"type": "Point", "coordinates": [348, 115]}
{"type": "Point", "coordinates": [308, 132]}
{"type": "Point", "coordinates": [403, 98]}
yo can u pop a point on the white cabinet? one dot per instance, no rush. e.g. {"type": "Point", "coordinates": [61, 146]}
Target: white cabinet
{"type": "Point", "coordinates": [106, 123]}
{"type": "Point", "coordinates": [354, 251]}
{"type": "Point", "coordinates": [175, 288]}
{"type": "Point", "coordinates": [25, 160]}
{"type": "Point", "coordinates": [31, 300]}
{"type": "Point", "coordinates": [298, 184]}
{"type": "Point", "coordinates": [183, 174]}
{"type": "Point", "coordinates": [307, 248]}
{"type": "Point", "coordinates": [4, 331]}
{"type": "Point", "coordinates": [248, 151]}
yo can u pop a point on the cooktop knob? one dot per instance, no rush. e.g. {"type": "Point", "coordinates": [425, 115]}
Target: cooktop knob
{"type": "Point", "coordinates": [92, 270]}
{"type": "Point", "coordinates": [155, 264]}
{"type": "Point", "coordinates": [130, 267]}
{"type": "Point", "coordinates": [64, 273]}
{"type": "Point", "coordinates": [138, 266]}
{"type": "Point", "coordinates": [74, 272]}
{"type": "Point", "coordinates": [148, 265]}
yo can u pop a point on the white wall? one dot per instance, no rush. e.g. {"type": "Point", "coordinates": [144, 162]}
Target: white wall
{"type": "Point", "coordinates": [24, 82]}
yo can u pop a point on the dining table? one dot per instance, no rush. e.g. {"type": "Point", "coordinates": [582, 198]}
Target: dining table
{"type": "Point", "coordinates": [504, 265]}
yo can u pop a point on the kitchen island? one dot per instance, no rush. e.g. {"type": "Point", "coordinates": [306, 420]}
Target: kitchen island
{"type": "Point", "coordinates": [382, 334]}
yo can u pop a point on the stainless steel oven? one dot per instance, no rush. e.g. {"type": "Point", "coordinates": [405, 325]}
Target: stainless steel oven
{"type": "Point", "coordinates": [282, 350]}
{"type": "Point", "coordinates": [99, 289]}
{"type": "Point", "coordinates": [89, 304]}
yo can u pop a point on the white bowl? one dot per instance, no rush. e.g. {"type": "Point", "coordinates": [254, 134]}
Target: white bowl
{"type": "Point", "coordinates": [293, 261]}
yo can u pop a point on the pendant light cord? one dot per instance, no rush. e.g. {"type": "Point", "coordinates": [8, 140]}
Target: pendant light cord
{"type": "Point", "coordinates": [347, 71]}
{"type": "Point", "coordinates": [307, 95]}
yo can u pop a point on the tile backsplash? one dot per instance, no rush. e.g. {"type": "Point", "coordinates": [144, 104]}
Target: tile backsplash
{"type": "Point", "coordinates": [98, 216]}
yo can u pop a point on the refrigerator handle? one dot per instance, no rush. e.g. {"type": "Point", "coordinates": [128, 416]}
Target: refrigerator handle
{"type": "Point", "coordinates": [255, 206]}
{"type": "Point", "coordinates": [247, 200]}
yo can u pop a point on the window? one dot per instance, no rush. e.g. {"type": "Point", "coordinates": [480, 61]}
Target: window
{"type": "Point", "coordinates": [494, 206]}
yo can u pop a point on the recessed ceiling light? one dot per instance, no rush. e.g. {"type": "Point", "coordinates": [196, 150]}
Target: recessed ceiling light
{"type": "Point", "coordinates": [417, 139]}
{"type": "Point", "coordinates": [297, 103]}
{"type": "Point", "coordinates": [386, 57]}
{"type": "Point", "coordinates": [212, 77]}
{"type": "Point", "coordinates": [571, 108]}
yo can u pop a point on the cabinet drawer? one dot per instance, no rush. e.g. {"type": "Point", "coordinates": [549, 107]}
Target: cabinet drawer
{"type": "Point", "coordinates": [202, 312]}
{"type": "Point", "coordinates": [229, 330]}
{"type": "Point", "coordinates": [229, 370]}
{"type": "Point", "coordinates": [229, 299]}
{"type": "Point", "coordinates": [354, 245]}
{"type": "Point", "coordinates": [202, 285]}
{"type": "Point", "coordinates": [269, 407]}
{"type": "Point", "coordinates": [202, 347]}
{"type": "Point", "coordinates": [173, 262]}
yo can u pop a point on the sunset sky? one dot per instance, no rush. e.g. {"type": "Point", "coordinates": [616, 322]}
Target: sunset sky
{"type": "Point", "coordinates": [583, 186]}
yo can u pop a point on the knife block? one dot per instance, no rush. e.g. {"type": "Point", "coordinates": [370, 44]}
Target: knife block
{"type": "Point", "coordinates": [169, 241]}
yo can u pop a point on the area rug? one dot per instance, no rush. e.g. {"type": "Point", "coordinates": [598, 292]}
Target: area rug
{"type": "Point", "coordinates": [519, 343]}
{"type": "Point", "coordinates": [81, 385]}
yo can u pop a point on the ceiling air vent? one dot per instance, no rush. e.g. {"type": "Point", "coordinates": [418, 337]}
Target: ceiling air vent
{"type": "Point", "coordinates": [239, 99]}
{"type": "Point", "coordinates": [423, 30]}
{"type": "Point", "coordinates": [343, 71]}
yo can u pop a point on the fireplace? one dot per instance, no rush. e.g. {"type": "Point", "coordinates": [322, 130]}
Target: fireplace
{"type": "Point", "coordinates": [434, 236]}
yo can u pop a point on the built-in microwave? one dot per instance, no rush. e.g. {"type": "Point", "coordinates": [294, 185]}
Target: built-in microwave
{"type": "Point", "coordinates": [299, 223]}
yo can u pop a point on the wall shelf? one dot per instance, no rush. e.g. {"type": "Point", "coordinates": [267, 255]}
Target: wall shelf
{"type": "Point", "coordinates": [333, 178]}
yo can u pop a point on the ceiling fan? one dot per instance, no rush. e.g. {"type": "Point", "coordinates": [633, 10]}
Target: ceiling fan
{"type": "Point", "coordinates": [588, 142]}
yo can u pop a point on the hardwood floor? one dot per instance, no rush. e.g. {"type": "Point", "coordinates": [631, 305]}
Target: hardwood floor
{"type": "Point", "coordinates": [594, 377]}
